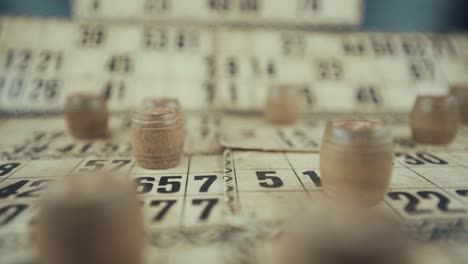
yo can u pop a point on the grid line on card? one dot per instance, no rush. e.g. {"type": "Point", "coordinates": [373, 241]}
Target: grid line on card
{"type": "Point", "coordinates": [413, 188]}
{"type": "Point", "coordinates": [184, 202]}
{"type": "Point", "coordinates": [419, 174]}
{"type": "Point", "coordinates": [77, 165]}
{"type": "Point", "coordinates": [455, 161]}
{"type": "Point", "coordinates": [444, 190]}
{"type": "Point", "coordinates": [279, 191]}
{"type": "Point", "coordinates": [233, 159]}
{"type": "Point", "coordinates": [394, 209]}
{"type": "Point", "coordinates": [295, 173]}
{"type": "Point", "coordinates": [445, 166]}
{"type": "Point", "coordinates": [131, 168]}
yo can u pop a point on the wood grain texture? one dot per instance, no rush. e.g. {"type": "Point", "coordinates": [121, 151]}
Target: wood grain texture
{"type": "Point", "coordinates": [356, 161]}
{"type": "Point", "coordinates": [157, 137]}
{"type": "Point", "coordinates": [86, 115]}
{"type": "Point", "coordinates": [435, 119]}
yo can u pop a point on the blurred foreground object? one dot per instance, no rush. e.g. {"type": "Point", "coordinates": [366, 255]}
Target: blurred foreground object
{"type": "Point", "coordinates": [356, 161]}
{"type": "Point", "coordinates": [284, 105]}
{"type": "Point", "coordinates": [434, 119]}
{"type": "Point", "coordinates": [338, 235]}
{"type": "Point", "coordinates": [93, 219]}
{"type": "Point", "coordinates": [86, 115]}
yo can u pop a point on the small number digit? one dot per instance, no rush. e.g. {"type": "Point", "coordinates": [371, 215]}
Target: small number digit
{"type": "Point", "coordinates": [121, 64]}
{"type": "Point", "coordinates": [35, 192]}
{"type": "Point", "coordinates": [354, 47]}
{"type": "Point", "coordinates": [93, 166]}
{"type": "Point", "coordinates": [422, 69]}
{"type": "Point", "coordinates": [144, 184]}
{"type": "Point", "coordinates": [16, 88]}
{"type": "Point", "coordinates": [114, 90]}
{"type": "Point", "coordinates": [209, 179]}
{"type": "Point", "coordinates": [330, 70]}
{"type": "Point", "coordinates": [431, 159]}
{"type": "Point", "coordinates": [369, 95]}
{"type": "Point", "coordinates": [444, 202]}
{"type": "Point", "coordinates": [44, 59]}
{"type": "Point", "coordinates": [382, 46]}
{"type": "Point", "coordinates": [171, 181]}
{"type": "Point", "coordinates": [155, 38]}
{"type": "Point", "coordinates": [269, 181]}
{"type": "Point", "coordinates": [92, 35]}
{"type": "Point", "coordinates": [7, 168]}
{"type": "Point", "coordinates": [409, 159]}
{"type": "Point", "coordinates": [10, 212]}
{"type": "Point", "coordinates": [232, 67]}
{"type": "Point", "coordinates": [413, 46]}
{"type": "Point", "coordinates": [120, 164]}
{"type": "Point", "coordinates": [168, 204]}
{"type": "Point", "coordinates": [314, 177]}
{"type": "Point", "coordinates": [51, 90]}
{"type": "Point", "coordinates": [10, 58]}
{"type": "Point", "coordinates": [25, 58]}
{"type": "Point", "coordinates": [12, 189]}
{"type": "Point", "coordinates": [411, 206]}
{"type": "Point", "coordinates": [210, 203]}
{"type": "Point", "coordinates": [293, 45]}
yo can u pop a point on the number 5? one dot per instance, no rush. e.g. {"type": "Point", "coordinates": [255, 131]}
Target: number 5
{"type": "Point", "coordinates": [165, 181]}
{"type": "Point", "coordinates": [269, 181]}
{"type": "Point", "coordinates": [93, 165]}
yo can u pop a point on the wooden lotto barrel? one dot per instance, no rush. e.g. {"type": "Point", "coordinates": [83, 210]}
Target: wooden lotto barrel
{"type": "Point", "coordinates": [157, 137]}
{"type": "Point", "coordinates": [86, 115]}
{"type": "Point", "coordinates": [434, 119]}
{"type": "Point", "coordinates": [164, 102]}
{"type": "Point", "coordinates": [284, 105]}
{"type": "Point", "coordinates": [460, 93]}
{"type": "Point", "coordinates": [356, 161]}
{"type": "Point", "coordinates": [94, 219]}
{"type": "Point", "coordinates": [161, 102]}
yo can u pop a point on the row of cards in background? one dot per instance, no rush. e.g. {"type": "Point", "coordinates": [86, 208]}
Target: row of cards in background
{"type": "Point", "coordinates": [424, 185]}
{"type": "Point", "coordinates": [30, 141]}
{"type": "Point", "coordinates": [42, 94]}
{"type": "Point", "coordinates": [251, 12]}
{"type": "Point", "coordinates": [412, 205]}
{"type": "Point", "coordinates": [244, 161]}
{"type": "Point", "coordinates": [66, 36]}
{"type": "Point", "coordinates": [242, 55]}
{"type": "Point", "coordinates": [182, 63]}
{"type": "Point", "coordinates": [234, 65]}
{"type": "Point", "coordinates": [206, 134]}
